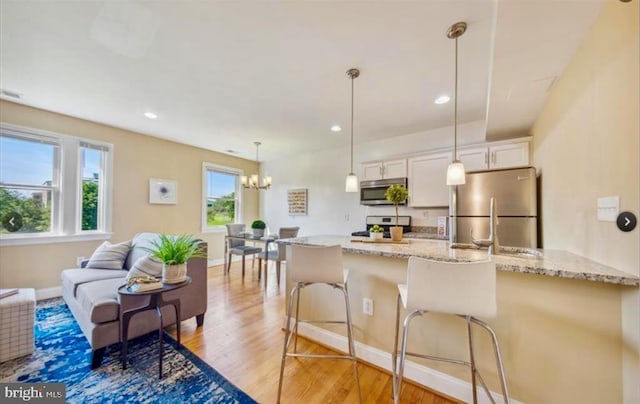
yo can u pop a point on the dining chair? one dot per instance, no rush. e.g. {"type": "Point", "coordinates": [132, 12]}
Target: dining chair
{"type": "Point", "coordinates": [238, 247]}
{"type": "Point", "coordinates": [278, 255]}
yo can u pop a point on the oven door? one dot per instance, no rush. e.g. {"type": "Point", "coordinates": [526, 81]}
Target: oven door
{"type": "Point", "coordinates": [372, 192]}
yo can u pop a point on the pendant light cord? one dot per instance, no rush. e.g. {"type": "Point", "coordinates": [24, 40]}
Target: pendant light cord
{"type": "Point", "coordinates": [351, 172]}
{"type": "Point", "coordinates": [455, 107]}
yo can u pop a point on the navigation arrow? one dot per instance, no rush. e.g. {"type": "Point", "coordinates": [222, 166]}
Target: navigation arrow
{"type": "Point", "coordinates": [626, 221]}
{"type": "Point", "coordinates": [11, 221]}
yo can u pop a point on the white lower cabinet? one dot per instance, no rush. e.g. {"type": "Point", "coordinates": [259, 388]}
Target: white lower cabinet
{"type": "Point", "coordinates": [427, 177]}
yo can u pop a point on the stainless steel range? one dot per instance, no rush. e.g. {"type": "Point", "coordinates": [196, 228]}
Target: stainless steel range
{"type": "Point", "coordinates": [385, 222]}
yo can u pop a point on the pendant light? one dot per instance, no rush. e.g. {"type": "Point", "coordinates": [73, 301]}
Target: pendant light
{"type": "Point", "coordinates": [351, 183]}
{"type": "Point", "coordinates": [254, 180]}
{"type": "Point", "coordinates": [455, 171]}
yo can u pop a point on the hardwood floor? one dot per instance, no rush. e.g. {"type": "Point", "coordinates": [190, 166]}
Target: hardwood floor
{"type": "Point", "coordinates": [242, 339]}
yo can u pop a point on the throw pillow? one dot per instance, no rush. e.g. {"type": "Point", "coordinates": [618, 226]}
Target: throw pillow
{"type": "Point", "coordinates": [109, 256]}
{"type": "Point", "coordinates": [146, 265]}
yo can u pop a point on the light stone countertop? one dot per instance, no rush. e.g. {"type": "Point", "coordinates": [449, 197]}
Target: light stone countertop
{"type": "Point", "coordinates": [555, 263]}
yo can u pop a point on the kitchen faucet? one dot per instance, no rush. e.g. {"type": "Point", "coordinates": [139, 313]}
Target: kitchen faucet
{"type": "Point", "coordinates": [492, 241]}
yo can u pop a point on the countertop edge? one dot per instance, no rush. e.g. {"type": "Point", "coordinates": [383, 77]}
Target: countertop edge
{"type": "Point", "coordinates": [515, 264]}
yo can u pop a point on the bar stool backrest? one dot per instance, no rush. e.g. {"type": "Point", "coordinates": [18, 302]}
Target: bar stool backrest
{"type": "Point", "coordinates": [316, 264]}
{"type": "Point", "coordinates": [466, 288]}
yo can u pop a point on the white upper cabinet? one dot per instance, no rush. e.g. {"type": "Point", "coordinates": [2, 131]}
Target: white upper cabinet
{"type": "Point", "coordinates": [428, 180]}
{"type": "Point", "coordinates": [491, 157]}
{"type": "Point", "coordinates": [385, 169]}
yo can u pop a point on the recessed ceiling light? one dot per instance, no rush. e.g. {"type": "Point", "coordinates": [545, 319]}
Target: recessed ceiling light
{"type": "Point", "coordinates": [151, 115]}
{"type": "Point", "coordinates": [336, 128]}
{"type": "Point", "coordinates": [443, 99]}
{"type": "Point", "coordinates": [232, 151]}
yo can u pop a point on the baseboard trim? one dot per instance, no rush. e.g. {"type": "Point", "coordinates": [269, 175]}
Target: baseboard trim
{"type": "Point", "coordinates": [220, 261]}
{"type": "Point", "coordinates": [423, 375]}
{"type": "Point", "coordinates": [48, 293]}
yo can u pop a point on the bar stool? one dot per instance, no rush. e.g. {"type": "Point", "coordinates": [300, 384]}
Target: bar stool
{"type": "Point", "coordinates": [466, 289]}
{"type": "Point", "coordinates": [310, 265]}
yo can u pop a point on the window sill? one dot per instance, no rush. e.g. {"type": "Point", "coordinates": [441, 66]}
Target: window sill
{"type": "Point", "coordinates": [213, 230]}
{"type": "Point", "coordinates": [6, 240]}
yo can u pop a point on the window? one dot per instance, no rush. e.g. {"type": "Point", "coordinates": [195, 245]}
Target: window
{"type": "Point", "coordinates": [221, 203]}
{"type": "Point", "coordinates": [51, 186]}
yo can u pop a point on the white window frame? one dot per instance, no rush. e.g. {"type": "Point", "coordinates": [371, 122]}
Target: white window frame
{"type": "Point", "coordinates": [206, 168]}
{"type": "Point", "coordinates": [67, 182]}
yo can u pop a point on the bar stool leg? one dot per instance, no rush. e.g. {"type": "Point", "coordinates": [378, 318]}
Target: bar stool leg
{"type": "Point", "coordinates": [472, 361]}
{"type": "Point", "coordinates": [496, 349]}
{"type": "Point", "coordinates": [352, 346]}
{"type": "Point", "coordinates": [295, 341]}
{"type": "Point", "coordinates": [394, 354]}
{"type": "Point", "coordinates": [403, 352]}
{"type": "Point", "coordinates": [287, 334]}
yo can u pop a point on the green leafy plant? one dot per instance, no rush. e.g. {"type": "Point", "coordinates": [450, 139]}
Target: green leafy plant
{"type": "Point", "coordinates": [376, 229]}
{"type": "Point", "coordinates": [396, 194]}
{"type": "Point", "coordinates": [258, 224]}
{"type": "Point", "coordinates": [175, 250]}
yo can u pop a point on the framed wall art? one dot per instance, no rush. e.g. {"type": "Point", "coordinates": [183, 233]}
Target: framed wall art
{"type": "Point", "coordinates": [163, 191]}
{"type": "Point", "coordinates": [297, 200]}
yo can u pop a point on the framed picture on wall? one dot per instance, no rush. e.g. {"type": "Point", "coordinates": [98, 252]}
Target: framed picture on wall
{"type": "Point", "coordinates": [163, 191]}
{"type": "Point", "coordinates": [297, 201]}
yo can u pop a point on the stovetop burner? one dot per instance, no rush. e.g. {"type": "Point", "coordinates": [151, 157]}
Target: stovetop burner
{"type": "Point", "coordinates": [385, 234]}
{"type": "Point", "coordinates": [385, 222]}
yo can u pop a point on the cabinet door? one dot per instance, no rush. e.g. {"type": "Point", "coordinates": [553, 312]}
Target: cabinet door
{"type": "Point", "coordinates": [428, 180]}
{"type": "Point", "coordinates": [395, 168]}
{"type": "Point", "coordinates": [372, 171]}
{"type": "Point", "coordinates": [509, 155]}
{"type": "Point", "coordinates": [474, 159]}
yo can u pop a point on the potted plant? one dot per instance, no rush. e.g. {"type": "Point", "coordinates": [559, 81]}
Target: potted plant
{"type": "Point", "coordinates": [174, 252]}
{"type": "Point", "coordinates": [258, 227]}
{"type": "Point", "coordinates": [376, 232]}
{"type": "Point", "coordinates": [396, 194]}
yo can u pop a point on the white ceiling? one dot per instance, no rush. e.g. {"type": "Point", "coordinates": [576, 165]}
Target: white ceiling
{"type": "Point", "coordinates": [223, 74]}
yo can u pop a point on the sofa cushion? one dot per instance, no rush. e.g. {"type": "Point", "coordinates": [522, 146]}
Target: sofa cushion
{"type": "Point", "coordinates": [138, 244]}
{"type": "Point", "coordinates": [72, 278]}
{"type": "Point", "coordinates": [146, 265]}
{"type": "Point", "coordinates": [100, 299]}
{"type": "Point", "coordinates": [109, 256]}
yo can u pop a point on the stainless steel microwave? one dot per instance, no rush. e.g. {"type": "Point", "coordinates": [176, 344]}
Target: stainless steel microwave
{"type": "Point", "coordinates": [372, 191]}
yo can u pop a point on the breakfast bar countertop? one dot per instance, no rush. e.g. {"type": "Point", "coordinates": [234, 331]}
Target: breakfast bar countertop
{"type": "Point", "coordinates": [556, 263]}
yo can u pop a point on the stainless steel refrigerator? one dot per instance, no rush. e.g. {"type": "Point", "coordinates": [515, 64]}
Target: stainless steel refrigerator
{"type": "Point", "coordinates": [515, 192]}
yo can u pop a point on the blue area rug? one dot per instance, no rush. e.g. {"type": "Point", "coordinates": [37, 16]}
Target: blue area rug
{"type": "Point", "coordinates": [62, 354]}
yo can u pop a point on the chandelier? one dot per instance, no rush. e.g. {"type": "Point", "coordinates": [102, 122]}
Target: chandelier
{"type": "Point", "coordinates": [253, 181]}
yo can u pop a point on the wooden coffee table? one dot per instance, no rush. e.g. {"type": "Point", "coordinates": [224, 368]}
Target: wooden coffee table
{"type": "Point", "coordinates": [155, 302]}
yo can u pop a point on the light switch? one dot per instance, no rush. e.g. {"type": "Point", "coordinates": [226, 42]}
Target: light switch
{"type": "Point", "coordinates": [608, 208]}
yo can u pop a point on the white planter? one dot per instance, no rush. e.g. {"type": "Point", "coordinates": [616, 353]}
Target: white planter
{"type": "Point", "coordinates": [258, 232]}
{"type": "Point", "coordinates": [375, 236]}
{"type": "Point", "coordinates": [172, 274]}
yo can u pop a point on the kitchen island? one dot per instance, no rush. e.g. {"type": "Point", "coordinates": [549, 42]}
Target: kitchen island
{"type": "Point", "coordinates": [559, 320]}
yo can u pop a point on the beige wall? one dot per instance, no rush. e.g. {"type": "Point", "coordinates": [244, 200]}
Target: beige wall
{"type": "Point", "coordinates": [586, 145]}
{"type": "Point", "coordinates": [136, 159]}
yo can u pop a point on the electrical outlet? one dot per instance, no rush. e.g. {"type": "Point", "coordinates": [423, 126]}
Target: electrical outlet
{"type": "Point", "coordinates": [367, 306]}
{"type": "Point", "coordinates": [79, 260]}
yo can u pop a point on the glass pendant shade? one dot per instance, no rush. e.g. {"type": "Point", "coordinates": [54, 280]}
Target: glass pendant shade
{"type": "Point", "coordinates": [455, 173]}
{"type": "Point", "coordinates": [351, 184]}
